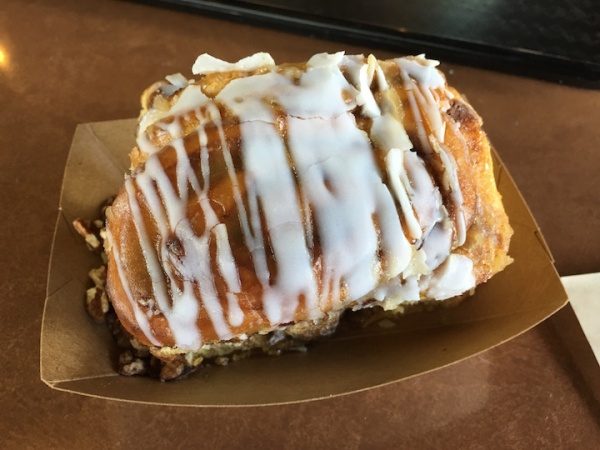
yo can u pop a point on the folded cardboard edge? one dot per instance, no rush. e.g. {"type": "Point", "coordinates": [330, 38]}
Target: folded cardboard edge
{"type": "Point", "coordinates": [53, 369]}
{"type": "Point", "coordinates": [70, 386]}
{"type": "Point", "coordinates": [109, 166]}
{"type": "Point", "coordinates": [49, 287]}
{"type": "Point", "coordinates": [504, 173]}
{"type": "Point", "coordinates": [57, 280]}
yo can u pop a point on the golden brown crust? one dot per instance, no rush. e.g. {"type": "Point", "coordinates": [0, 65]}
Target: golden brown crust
{"type": "Point", "coordinates": [488, 233]}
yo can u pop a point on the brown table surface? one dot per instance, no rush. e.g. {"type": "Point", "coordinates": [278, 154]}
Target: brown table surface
{"type": "Point", "coordinates": [68, 62]}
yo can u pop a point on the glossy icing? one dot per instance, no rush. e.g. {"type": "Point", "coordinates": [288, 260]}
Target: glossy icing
{"type": "Point", "coordinates": [383, 232]}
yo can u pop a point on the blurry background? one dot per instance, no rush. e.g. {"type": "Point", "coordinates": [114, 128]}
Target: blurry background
{"type": "Point", "coordinates": [553, 39]}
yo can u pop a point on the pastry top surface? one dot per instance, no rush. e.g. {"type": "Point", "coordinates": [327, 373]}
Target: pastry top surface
{"type": "Point", "coordinates": [263, 195]}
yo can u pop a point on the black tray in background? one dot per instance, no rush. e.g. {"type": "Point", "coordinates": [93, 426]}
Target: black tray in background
{"type": "Point", "coordinates": [558, 40]}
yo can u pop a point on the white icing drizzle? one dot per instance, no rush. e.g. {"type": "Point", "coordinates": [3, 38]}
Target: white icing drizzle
{"type": "Point", "coordinates": [433, 144]}
{"type": "Point", "coordinates": [140, 318]}
{"type": "Point", "coordinates": [177, 80]}
{"type": "Point", "coordinates": [181, 314]}
{"type": "Point", "coordinates": [143, 142]}
{"type": "Point", "coordinates": [424, 195]}
{"type": "Point", "coordinates": [450, 180]}
{"type": "Point", "coordinates": [389, 135]}
{"type": "Point", "coordinates": [152, 263]}
{"type": "Point", "coordinates": [190, 98]}
{"type": "Point", "coordinates": [326, 59]}
{"type": "Point", "coordinates": [225, 259]}
{"type": "Point", "coordinates": [431, 107]}
{"type": "Point", "coordinates": [206, 63]}
{"type": "Point", "coordinates": [394, 162]}
{"type": "Point", "coordinates": [438, 244]}
{"type": "Point", "coordinates": [254, 242]}
{"type": "Point", "coordinates": [326, 152]}
{"type": "Point", "coordinates": [423, 70]}
{"type": "Point", "coordinates": [410, 87]}
{"type": "Point", "coordinates": [340, 197]}
{"type": "Point", "coordinates": [361, 76]}
{"type": "Point", "coordinates": [228, 269]}
{"type": "Point", "coordinates": [396, 292]}
{"type": "Point", "coordinates": [454, 277]}
{"type": "Point", "coordinates": [338, 175]}
{"type": "Point", "coordinates": [194, 266]}
{"type": "Point", "coordinates": [269, 178]}
{"type": "Point", "coordinates": [270, 181]}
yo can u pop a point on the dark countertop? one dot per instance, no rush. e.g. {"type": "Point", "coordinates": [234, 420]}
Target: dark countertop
{"type": "Point", "coordinates": [68, 62]}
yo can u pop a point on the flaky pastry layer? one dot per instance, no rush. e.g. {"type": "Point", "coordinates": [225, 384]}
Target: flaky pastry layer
{"type": "Point", "coordinates": [189, 230]}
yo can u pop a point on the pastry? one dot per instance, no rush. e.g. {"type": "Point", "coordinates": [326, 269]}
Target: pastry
{"type": "Point", "coordinates": [265, 200]}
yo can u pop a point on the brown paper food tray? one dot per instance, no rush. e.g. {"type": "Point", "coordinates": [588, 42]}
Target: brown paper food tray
{"type": "Point", "coordinates": [77, 355]}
